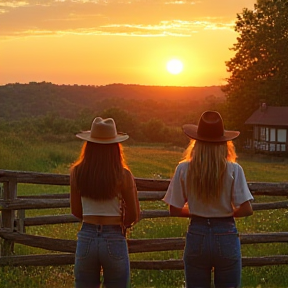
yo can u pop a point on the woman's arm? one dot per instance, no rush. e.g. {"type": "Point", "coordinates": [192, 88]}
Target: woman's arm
{"type": "Point", "coordinates": [130, 196]}
{"type": "Point", "coordinates": [75, 199]}
{"type": "Point", "coordinates": [245, 209]}
{"type": "Point", "coordinates": [179, 212]}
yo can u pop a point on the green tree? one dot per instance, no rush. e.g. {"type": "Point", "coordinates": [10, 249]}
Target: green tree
{"type": "Point", "coordinates": [259, 69]}
{"type": "Point", "coordinates": [125, 122]}
{"type": "Point", "coordinates": [153, 130]}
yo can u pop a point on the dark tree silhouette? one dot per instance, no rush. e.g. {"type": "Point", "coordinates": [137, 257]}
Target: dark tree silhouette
{"type": "Point", "coordinates": [259, 69]}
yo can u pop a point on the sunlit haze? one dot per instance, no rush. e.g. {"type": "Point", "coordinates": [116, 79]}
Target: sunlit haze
{"type": "Point", "coordinates": [99, 42]}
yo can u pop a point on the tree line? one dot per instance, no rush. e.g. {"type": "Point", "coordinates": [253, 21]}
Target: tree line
{"type": "Point", "coordinates": [43, 109]}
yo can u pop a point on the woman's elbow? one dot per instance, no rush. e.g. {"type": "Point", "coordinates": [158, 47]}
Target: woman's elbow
{"type": "Point", "coordinates": [244, 210]}
{"type": "Point", "coordinates": [250, 212]}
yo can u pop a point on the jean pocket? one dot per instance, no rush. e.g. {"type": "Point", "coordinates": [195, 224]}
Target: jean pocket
{"type": "Point", "coordinates": [83, 246]}
{"type": "Point", "coordinates": [117, 248]}
{"type": "Point", "coordinates": [194, 244]}
{"type": "Point", "coordinates": [228, 246]}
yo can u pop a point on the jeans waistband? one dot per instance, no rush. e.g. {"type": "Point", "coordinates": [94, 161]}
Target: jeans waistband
{"type": "Point", "coordinates": [211, 220]}
{"type": "Point", "coordinates": [101, 228]}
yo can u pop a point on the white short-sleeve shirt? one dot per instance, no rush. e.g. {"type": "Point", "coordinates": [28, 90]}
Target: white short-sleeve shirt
{"type": "Point", "coordinates": [235, 192]}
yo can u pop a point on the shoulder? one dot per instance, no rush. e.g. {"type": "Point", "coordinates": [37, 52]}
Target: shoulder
{"type": "Point", "coordinates": [127, 173]}
{"type": "Point", "coordinates": [128, 178]}
{"type": "Point", "coordinates": [181, 169]}
{"type": "Point", "coordinates": [183, 166]}
{"type": "Point", "coordinates": [234, 166]}
{"type": "Point", "coordinates": [236, 170]}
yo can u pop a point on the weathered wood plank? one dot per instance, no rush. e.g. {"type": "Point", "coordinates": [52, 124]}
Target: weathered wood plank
{"type": "Point", "coordinates": [265, 261]}
{"type": "Point", "coordinates": [47, 243]}
{"type": "Point", "coordinates": [269, 188]}
{"type": "Point", "coordinates": [23, 203]}
{"type": "Point", "coordinates": [276, 189]}
{"type": "Point", "coordinates": [142, 196]}
{"type": "Point", "coordinates": [271, 205]}
{"type": "Point", "coordinates": [34, 204]}
{"type": "Point", "coordinates": [135, 245]}
{"type": "Point", "coordinates": [64, 179]}
{"type": "Point", "coordinates": [38, 260]}
{"type": "Point", "coordinates": [69, 218]}
{"type": "Point", "coordinates": [269, 237]}
{"type": "Point", "coordinates": [35, 177]}
{"type": "Point", "coordinates": [69, 258]}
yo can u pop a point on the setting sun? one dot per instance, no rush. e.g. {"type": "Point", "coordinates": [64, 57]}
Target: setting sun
{"type": "Point", "coordinates": [174, 66]}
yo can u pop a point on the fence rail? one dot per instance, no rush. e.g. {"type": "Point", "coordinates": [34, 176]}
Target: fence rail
{"type": "Point", "coordinates": [13, 224]}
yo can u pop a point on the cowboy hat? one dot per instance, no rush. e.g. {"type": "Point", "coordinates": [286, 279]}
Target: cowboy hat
{"type": "Point", "coordinates": [103, 131]}
{"type": "Point", "coordinates": [210, 129]}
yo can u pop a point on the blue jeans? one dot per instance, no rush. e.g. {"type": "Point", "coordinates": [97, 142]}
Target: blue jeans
{"type": "Point", "coordinates": [101, 248]}
{"type": "Point", "coordinates": [212, 244]}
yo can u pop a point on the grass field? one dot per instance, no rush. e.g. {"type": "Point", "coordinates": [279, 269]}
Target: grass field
{"type": "Point", "coordinates": [145, 162]}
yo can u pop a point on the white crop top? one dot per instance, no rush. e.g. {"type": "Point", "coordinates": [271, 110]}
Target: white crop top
{"type": "Point", "coordinates": [235, 192]}
{"type": "Point", "coordinates": [101, 208]}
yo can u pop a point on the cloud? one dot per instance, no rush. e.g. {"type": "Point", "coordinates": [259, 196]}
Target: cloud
{"type": "Point", "coordinates": [109, 17]}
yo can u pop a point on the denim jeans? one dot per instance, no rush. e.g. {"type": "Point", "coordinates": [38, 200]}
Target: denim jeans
{"type": "Point", "coordinates": [101, 248]}
{"type": "Point", "coordinates": [212, 244]}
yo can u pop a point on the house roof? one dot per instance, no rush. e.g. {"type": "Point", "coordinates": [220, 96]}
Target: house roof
{"type": "Point", "coordinates": [269, 115]}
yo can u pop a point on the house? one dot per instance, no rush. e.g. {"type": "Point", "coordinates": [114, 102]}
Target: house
{"type": "Point", "coordinates": [269, 130]}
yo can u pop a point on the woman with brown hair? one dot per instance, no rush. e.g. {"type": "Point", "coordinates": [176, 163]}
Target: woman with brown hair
{"type": "Point", "coordinates": [209, 187]}
{"type": "Point", "coordinates": [104, 196]}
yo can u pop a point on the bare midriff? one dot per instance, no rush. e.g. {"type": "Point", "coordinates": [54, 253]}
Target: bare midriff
{"type": "Point", "coordinates": [102, 220]}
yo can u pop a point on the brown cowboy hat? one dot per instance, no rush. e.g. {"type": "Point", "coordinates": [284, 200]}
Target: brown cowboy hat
{"type": "Point", "coordinates": [210, 129]}
{"type": "Point", "coordinates": [103, 131]}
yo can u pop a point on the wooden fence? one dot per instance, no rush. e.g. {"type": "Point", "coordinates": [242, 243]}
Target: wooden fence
{"type": "Point", "coordinates": [13, 223]}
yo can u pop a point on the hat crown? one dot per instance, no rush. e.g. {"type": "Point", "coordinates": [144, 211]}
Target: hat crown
{"type": "Point", "coordinates": [211, 125]}
{"type": "Point", "coordinates": [103, 131]}
{"type": "Point", "coordinates": [103, 128]}
{"type": "Point", "coordinates": [209, 129]}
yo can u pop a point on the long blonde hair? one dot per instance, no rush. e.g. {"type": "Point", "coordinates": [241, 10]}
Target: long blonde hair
{"type": "Point", "coordinates": [207, 166]}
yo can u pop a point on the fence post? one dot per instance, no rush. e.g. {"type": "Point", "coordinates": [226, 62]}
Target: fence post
{"type": "Point", "coordinates": [8, 216]}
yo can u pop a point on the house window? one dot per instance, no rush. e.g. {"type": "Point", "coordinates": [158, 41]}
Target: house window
{"type": "Point", "coordinates": [281, 135]}
{"type": "Point", "coordinates": [270, 139]}
{"type": "Point", "coordinates": [272, 135]}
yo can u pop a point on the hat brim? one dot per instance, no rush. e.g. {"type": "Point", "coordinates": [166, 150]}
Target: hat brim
{"type": "Point", "coordinates": [191, 131]}
{"type": "Point", "coordinates": [85, 135]}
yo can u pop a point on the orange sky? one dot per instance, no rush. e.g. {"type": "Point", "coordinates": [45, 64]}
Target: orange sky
{"type": "Point", "coordinates": [99, 42]}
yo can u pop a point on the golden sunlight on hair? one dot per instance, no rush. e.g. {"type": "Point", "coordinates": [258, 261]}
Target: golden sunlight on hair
{"type": "Point", "coordinates": [209, 162]}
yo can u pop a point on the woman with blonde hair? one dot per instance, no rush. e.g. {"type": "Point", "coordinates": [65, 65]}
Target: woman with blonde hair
{"type": "Point", "coordinates": [104, 196]}
{"type": "Point", "coordinates": [209, 187]}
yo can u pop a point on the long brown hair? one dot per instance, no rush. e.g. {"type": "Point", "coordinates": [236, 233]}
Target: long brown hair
{"type": "Point", "coordinates": [99, 170]}
{"type": "Point", "coordinates": [207, 166]}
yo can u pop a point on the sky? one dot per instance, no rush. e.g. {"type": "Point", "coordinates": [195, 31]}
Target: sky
{"type": "Point", "coordinates": [100, 42]}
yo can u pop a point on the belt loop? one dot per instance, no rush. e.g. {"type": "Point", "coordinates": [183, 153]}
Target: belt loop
{"type": "Point", "coordinates": [99, 228]}
{"type": "Point", "coordinates": [208, 221]}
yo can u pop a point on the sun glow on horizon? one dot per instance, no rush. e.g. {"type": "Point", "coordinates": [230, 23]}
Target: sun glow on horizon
{"type": "Point", "coordinates": [174, 66]}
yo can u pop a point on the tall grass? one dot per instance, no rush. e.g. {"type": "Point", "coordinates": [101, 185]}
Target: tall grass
{"type": "Point", "coordinates": [157, 162]}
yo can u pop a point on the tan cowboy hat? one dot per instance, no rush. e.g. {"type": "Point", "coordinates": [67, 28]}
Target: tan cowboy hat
{"type": "Point", "coordinates": [210, 129]}
{"type": "Point", "coordinates": [103, 131]}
